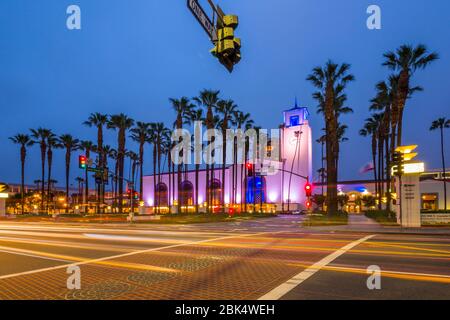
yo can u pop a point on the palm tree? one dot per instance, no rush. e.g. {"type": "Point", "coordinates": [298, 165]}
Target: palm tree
{"type": "Point", "coordinates": [441, 124]}
{"type": "Point", "coordinates": [40, 137]}
{"type": "Point", "coordinates": [386, 101]}
{"type": "Point", "coordinates": [114, 156]}
{"type": "Point", "coordinates": [167, 145]}
{"type": "Point", "coordinates": [242, 121]}
{"type": "Point", "coordinates": [196, 115]}
{"type": "Point", "coordinates": [331, 80]}
{"type": "Point", "coordinates": [407, 59]}
{"type": "Point", "coordinates": [140, 133]}
{"type": "Point", "coordinates": [159, 131]}
{"type": "Point", "coordinates": [182, 107]}
{"type": "Point", "coordinates": [121, 123]}
{"type": "Point", "coordinates": [322, 170]}
{"type": "Point", "coordinates": [371, 129]}
{"type": "Point", "coordinates": [24, 141]}
{"type": "Point", "coordinates": [227, 109]}
{"type": "Point", "coordinates": [70, 144]}
{"type": "Point", "coordinates": [208, 99]}
{"type": "Point", "coordinates": [152, 139]}
{"type": "Point", "coordinates": [87, 146]}
{"type": "Point", "coordinates": [99, 121]}
{"type": "Point", "coordinates": [52, 143]}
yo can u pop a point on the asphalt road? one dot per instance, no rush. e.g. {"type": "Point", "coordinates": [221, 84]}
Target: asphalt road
{"type": "Point", "coordinates": [268, 258]}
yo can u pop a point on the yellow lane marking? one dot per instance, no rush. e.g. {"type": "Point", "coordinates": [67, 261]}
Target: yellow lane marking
{"type": "Point", "coordinates": [87, 246]}
{"type": "Point", "coordinates": [412, 248]}
{"type": "Point", "coordinates": [390, 274]}
{"type": "Point", "coordinates": [367, 243]}
{"type": "Point", "coordinates": [269, 246]}
{"type": "Point", "coordinates": [120, 264]}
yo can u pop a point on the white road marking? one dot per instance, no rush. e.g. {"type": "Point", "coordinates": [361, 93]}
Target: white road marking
{"type": "Point", "coordinates": [130, 254]}
{"type": "Point", "coordinates": [286, 287]}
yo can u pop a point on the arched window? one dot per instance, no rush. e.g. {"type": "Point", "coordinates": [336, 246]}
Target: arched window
{"type": "Point", "coordinates": [186, 193]}
{"type": "Point", "coordinates": [215, 189]}
{"type": "Point", "coordinates": [161, 195]}
{"type": "Point", "coordinates": [256, 190]}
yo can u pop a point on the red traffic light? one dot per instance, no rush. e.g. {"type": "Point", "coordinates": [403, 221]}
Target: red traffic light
{"type": "Point", "coordinates": [250, 170]}
{"type": "Point", "coordinates": [308, 204]}
{"type": "Point", "coordinates": [308, 189]}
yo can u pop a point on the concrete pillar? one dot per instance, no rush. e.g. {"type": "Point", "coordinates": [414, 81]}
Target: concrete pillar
{"type": "Point", "coordinates": [409, 195]}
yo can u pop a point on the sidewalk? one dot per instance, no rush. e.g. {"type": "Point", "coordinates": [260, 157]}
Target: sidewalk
{"type": "Point", "coordinates": [360, 223]}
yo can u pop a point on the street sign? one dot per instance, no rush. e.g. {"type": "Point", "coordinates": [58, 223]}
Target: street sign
{"type": "Point", "coordinates": [202, 18]}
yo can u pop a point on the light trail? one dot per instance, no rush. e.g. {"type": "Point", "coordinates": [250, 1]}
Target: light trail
{"type": "Point", "coordinates": [386, 273]}
{"type": "Point", "coordinates": [101, 260]}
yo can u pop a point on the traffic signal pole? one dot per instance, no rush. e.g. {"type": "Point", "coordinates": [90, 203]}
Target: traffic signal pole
{"type": "Point", "coordinates": [227, 48]}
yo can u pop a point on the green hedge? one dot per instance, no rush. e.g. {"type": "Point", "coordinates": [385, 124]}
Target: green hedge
{"type": "Point", "coordinates": [382, 216]}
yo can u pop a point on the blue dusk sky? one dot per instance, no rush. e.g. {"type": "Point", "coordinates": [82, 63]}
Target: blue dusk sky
{"type": "Point", "coordinates": [132, 55]}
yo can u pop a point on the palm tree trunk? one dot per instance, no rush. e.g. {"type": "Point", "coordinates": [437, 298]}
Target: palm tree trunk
{"type": "Point", "coordinates": [67, 180]}
{"type": "Point", "coordinates": [49, 174]}
{"type": "Point", "coordinates": [207, 189]}
{"type": "Point", "coordinates": [22, 180]}
{"type": "Point", "coordinates": [121, 166]}
{"type": "Point", "coordinates": [224, 157]}
{"type": "Point", "coordinates": [43, 149]}
{"type": "Point", "coordinates": [399, 127]}
{"type": "Point", "coordinates": [197, 168]}
{"type": "Point", "coordinates": [86, 181]}
{"type": "Point", "coordinates": [155, 200]}
{"type": "Point", "coordinates": [374, 160]}
{"type": "Point", "coordinates": [443, 168]}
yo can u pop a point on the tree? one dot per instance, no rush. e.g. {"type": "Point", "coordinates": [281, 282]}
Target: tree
{"type": "Point", "coordinates": [52, 143]}
{"type": "Point", "coordinates": [121, 123]}
{"type": "Point", "coordinates": [70, 144]}
{"type": "Point", "coordinates": [99, 121]}
{"type": "Point", "coordinates": [182, 107]}
{"type": "Point", "coordinates": [40, 137]}
{"type": "Point", "coordinates": [141, 134]}
{"type": "Point", "coordinates": [441, 124]}
{"type": "Point", "coordinates": [24, 141]}
{"type": "Point", "coordinates": [242, 121]}
{"type": "Point", "coordinates": [407, 59]}
{"type": "Point", "coordinates": [226, 108]}
{"type": "Point", "coordinates": [371, 129]}
{"type": "Point", "coordinates": [208, 99]}
{"type": "Point", "coordinates": [331, 80]}
{"type": "Point", "coordinates": [196, 115]}
{"type": "Point", "coordinates": [159, 131]}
